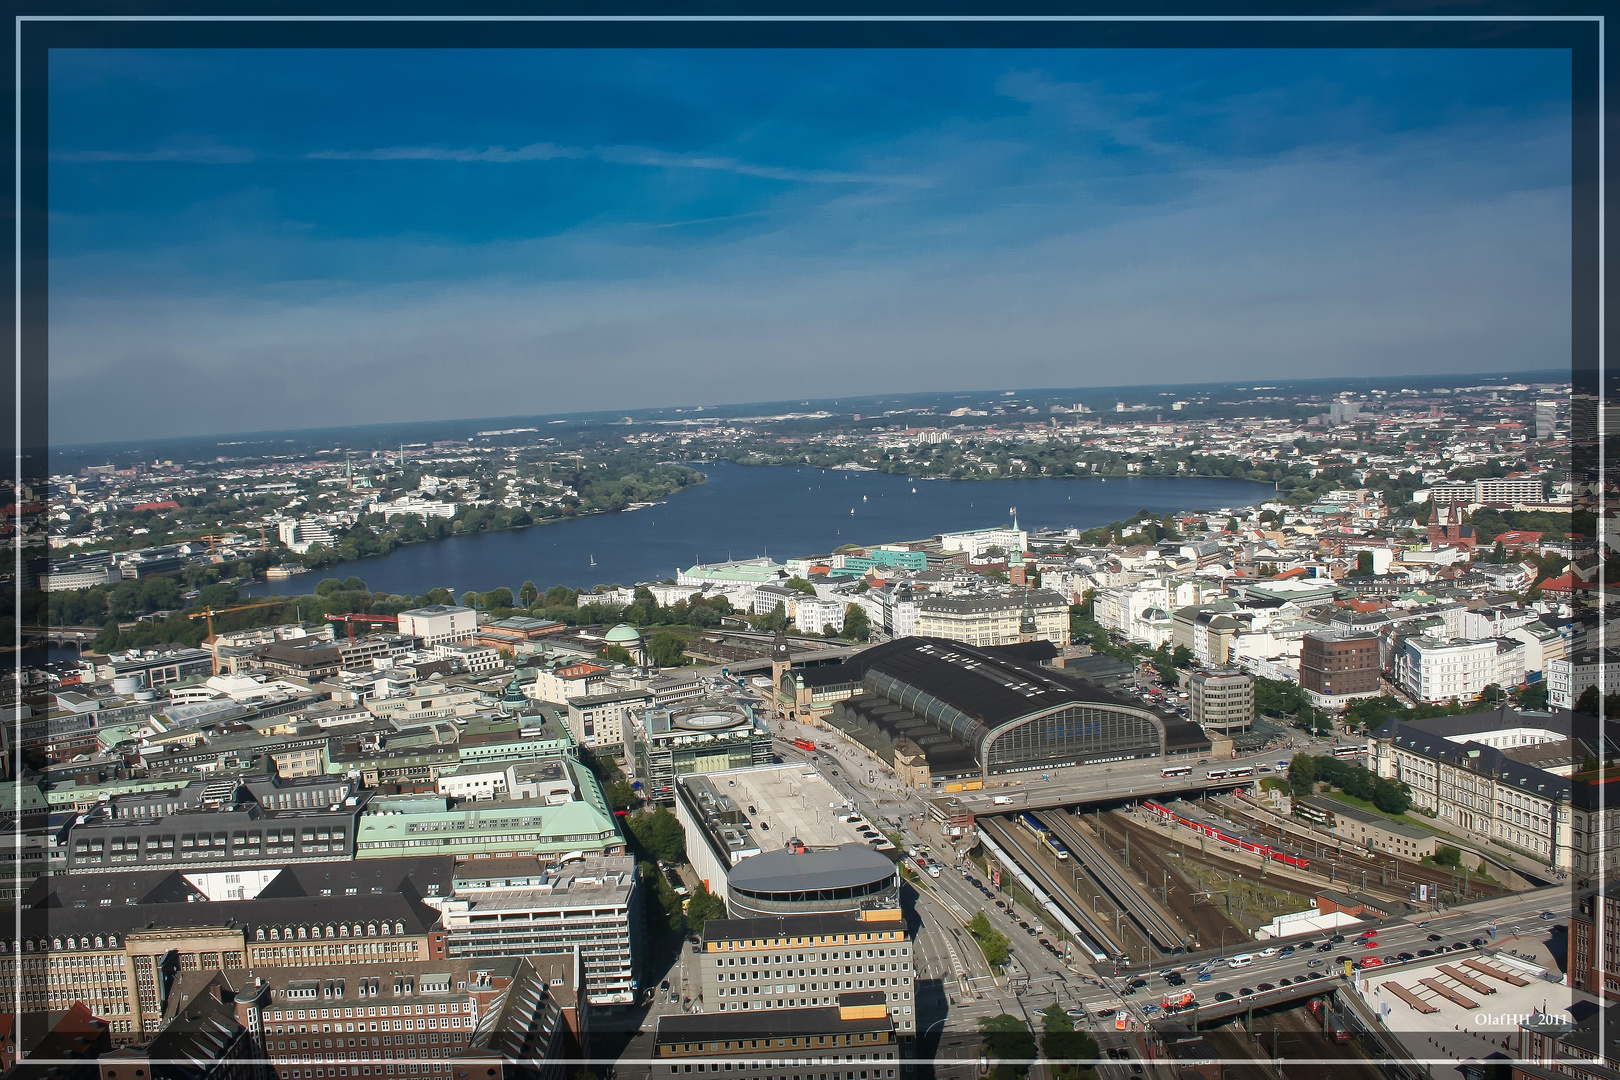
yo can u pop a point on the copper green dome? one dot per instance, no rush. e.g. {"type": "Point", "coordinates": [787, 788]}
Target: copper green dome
{"type": "Point", "coordinates": [622, 634]}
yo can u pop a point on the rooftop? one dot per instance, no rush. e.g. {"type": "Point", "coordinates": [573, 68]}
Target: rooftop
{"type": "Point", "coordinates": [795, 801]}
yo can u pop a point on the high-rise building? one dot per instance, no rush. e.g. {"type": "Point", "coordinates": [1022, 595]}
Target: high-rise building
{"type": "Point", "coordinates": [1335, 669]}
{"type": "Point", "coordinates": [1222, 700]}
{"type": "Point", "coordinates": [790, 962]}
{"type": "Point", "coordinates": [1546, 418]}
{"type": "Point", "coordinates": [521, 907]}
{"type": "Point", "coordinates": [1594, 942]}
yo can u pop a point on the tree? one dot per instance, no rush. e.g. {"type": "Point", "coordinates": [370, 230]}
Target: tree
{"type": "Point", "coordinates": [1493, 694]}
{"type": "Point", "coordinates": [498, 598]}
{"type": "Point", "coordinates": [618, 654]}
{"type": "Point", "coordinates": [562, 596]}
{"type": "Point", "coordinates": [1060, 1042]}
{"type": "Point", "coordinates": [857, 627]}
{"type": "Point", "coordinates": [1534, 696]}
{"type": "Point", "coordinates": [528, 594]}
{"type": "Point", "coordinates": [1391, 796]}
{"type": "Point", "coordinates": [666, 649]}
{"type": "Point", "coordinates": [702, 906]}
{"type": "Point", "coordinates": [353, 584]}
{"type": "Point", "coordinates": [1181, 656]}
{"type": "Point", "coordinates": [1446, 855]}
{"type": "Point", "coordinates": [1302, 775]}
{"type": "Point", "coordinates": [328, 586]}
{"type": "Point", "coordinates": [469, 599]}
{"type": "Point", "coordinates": [993, 943]}
{"type": "Point", "coordinates": [1589, 701]}
{"type": "Point", "coordinates": [620, 795]}
{"type": "Point", "coordinates": [798, 584]}
{"type": "Point", "coordinates": [658, 833]}
{"type": "Point", "coordinates": [1009, 1042]}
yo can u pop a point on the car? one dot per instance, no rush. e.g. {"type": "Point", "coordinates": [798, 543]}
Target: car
{"type": "Point", "coordinates": [1203, 761]}
{"type": "Point", "coordinates": [1166, 973]}
{"type": "Point", "coordinates": [1315, 962]}
{"type": "Point", "coordinates": [1285, 982]}
{"type": "Point", "coordinates": [1176, 980]}
{"type": "Point", "coordinates": [1424, 925]}
{"type": "Point", "coordinates": [1205, 976]}
{"type": "Point", "coordinates": [1406, 957]}
{"type": "Point", "coordinates": [1002, 904]}
{"type": "Point", "coordinates": [1105, 1013]}
{"type": "Point", "coordinates": [1113, 1053]}
{"type": "Point", "coordinates": [1371, 931]}
{"type": "Point", "coordinates": [1326, 946]}
{"type": "Point", "coordinates": [987, 893]}
{"type": "Point", "coordinates": [1303, 945]}
{"type": "Point", "coordinates": [1478, 943]}
{"type": "Point", "coordinates": [1371, 961]}
{"type": "Point", "coordinates": [664, 985]}
{"type": "Point", "coordinates": [1548, 915]}
{"type": "Point", "coordinates": [1022, 925]}
{"type": "Point", "coordinates": [1337, 938]}
{"type": "Point", "coordinates": [1075, 1014]}
{"type": "Point", "coordinates": [1268, 952]}
{"type": "Point", "coordinates": [1031, 931]}
{"type": "Point", "coordinates": [1369, 944]}
{"type": "Point", "coordinates": [1425, 952]}
{"type": "Point", "coordinates": [1263, 987]}
{"type": "Point", "coordinates": [1313, 975]}
{"type": "Point", "coordinates": [1223, 996]}
{"type": "Point", "coordinates": [1433, 937]}
{"type": "Point", "coordinates": [1286, 952]}
{"type": "Point", "coordinates": [751, 809]}
{"type": "Point", "coordinates": [1438, 949]}
{"type": "Point", "coordinates": [1282, 764]}
{"type": "Point", "coordinates": [1217, 962]}
{"type": "Point", "coordinates": [1137, 983]}
{"type": "Point", "coordinates": [1455, 945]}
{"type": "Point", "coordinates": [674, 999]}
{"type": "Point", "coordinates": [1244, 991]}
{"type": "Point", "coordinates": [1149, 1009]}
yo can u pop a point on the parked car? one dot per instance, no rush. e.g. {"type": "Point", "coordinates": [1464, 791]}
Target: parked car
{"type": "Point", "coordinates": [1433, 937]}
{"type": "Point", "coordinates": [1478, 943]}
{"type": "Point", "coordinates": [1223, 996]}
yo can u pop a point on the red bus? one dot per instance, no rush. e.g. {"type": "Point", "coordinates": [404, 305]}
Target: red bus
{"type": "Point", "coordinates": [805, 745]}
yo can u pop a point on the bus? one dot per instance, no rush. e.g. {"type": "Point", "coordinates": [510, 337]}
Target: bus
{"type": "Point", "coordinates": [1242, 770]}
{"type": "Point", "coordinates": [1215, 774]}
{"type": "Point", "coordinates": [1348, 751]}
{"type": "Point", "coordinates": [1176, 770]}
{"type": "Point", "coordinates": [805, 744]}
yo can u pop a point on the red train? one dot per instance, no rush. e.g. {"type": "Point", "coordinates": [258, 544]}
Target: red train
{"type": "Point", "coordinates": [1213, 833]}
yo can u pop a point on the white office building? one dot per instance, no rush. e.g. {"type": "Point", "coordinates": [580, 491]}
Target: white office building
{"type": "Point", "coordinates": [439, 624]}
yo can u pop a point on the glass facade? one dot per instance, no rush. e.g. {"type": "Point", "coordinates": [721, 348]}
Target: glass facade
{"type": "Point", "coordinates": [1077, 733]}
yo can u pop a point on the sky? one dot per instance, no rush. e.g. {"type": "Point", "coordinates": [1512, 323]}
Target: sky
{"type": "Point", "coordinates": [253, 240]}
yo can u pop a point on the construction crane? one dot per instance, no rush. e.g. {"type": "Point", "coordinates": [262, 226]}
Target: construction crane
{"type": "Point", "coordinates": [355, 617]}
{"type": "Point", "coordinates": [209, 613]}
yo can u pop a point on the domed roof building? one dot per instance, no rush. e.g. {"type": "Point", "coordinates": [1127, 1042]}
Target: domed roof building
{"type": "Point", "coordinates": [628, 638]}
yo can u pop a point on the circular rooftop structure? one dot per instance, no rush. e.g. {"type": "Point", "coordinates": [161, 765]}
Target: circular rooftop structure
{"type": "Point", "coordinates": [848, 878]}
{"type": "Point", "coordinates": [707, 718]}
{"type": "Point", "coordinates": [623, 634]}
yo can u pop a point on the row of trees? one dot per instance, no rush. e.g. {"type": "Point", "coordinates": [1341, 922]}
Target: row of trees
{"type": "Point", "coordinates": [1305, 771]}
{"type": "Point", "coordinates": [1008, 1041]}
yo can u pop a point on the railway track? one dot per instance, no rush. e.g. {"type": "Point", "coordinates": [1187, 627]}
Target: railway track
{"type": "Point", "coordinates": [1011, 843]}
{"type": "Point", "coordinates": [1101, 870]}
{"type": "Point", "coordinates": [1406, 872]}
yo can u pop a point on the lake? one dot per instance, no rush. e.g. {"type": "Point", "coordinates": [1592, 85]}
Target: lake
{"type": "Point", "coordinates": [781, 511]}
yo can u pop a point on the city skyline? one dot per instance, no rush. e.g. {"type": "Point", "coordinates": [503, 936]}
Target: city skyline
{"type": "Point", "coordinates": [333, 239]}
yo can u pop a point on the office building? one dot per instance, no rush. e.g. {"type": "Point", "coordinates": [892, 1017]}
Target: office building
{"type": "Point", "coordinates": [520, 906]}
{"type": "Point", "coordinates": [852, 1038]}
{"type": "Point", "coordinates": [439, 624]}
{"type": "Point", "coordinates": [990, 619]}
{"type": "Point", "coordinates": [1571, 676]}
{"type": "Point", "coordinates": [798, 961]}
{"type": "Point", "coordinates": [780, 840]}
{"type": "Point", "coordinates": [231, 822]}
{"type": "Point", "coordinates": [1594, 942]}
{"type": "Point", "coordinates": [1221, 701]}
{"type": "Point", "coordinates": [1335, 670]}
{"type": "Point", "coordinates": [696, 737]}
{"type": "Point", "coordinates": [1437, 670]}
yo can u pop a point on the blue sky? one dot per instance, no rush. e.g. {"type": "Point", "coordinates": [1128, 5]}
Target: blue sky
{"type": "Point", "coordinates": [243, 240]}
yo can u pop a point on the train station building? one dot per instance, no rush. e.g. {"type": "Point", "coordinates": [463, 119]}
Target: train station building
{"type": "Point", "coordinates": [946, 711]}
